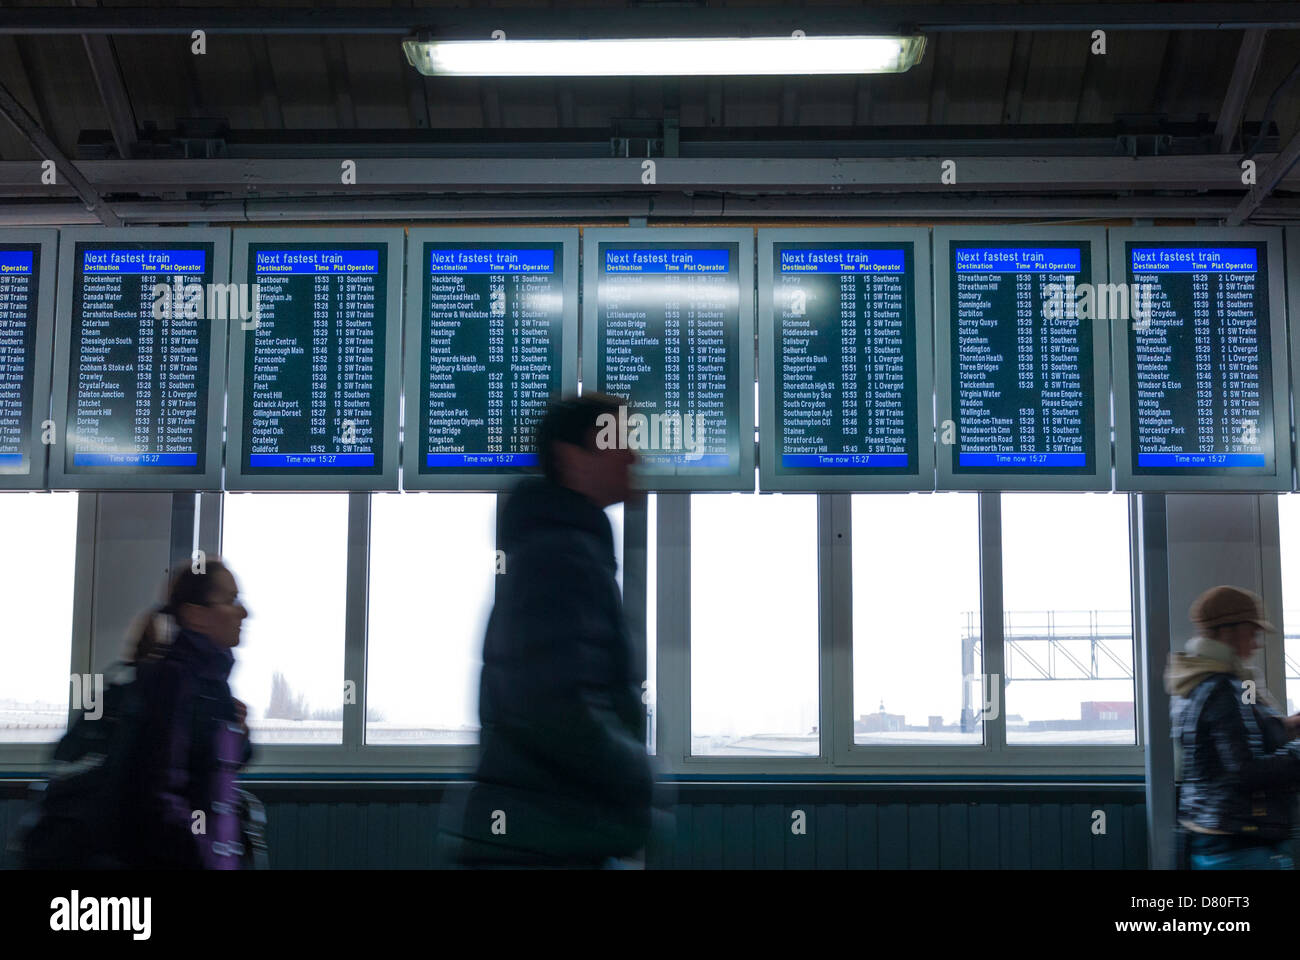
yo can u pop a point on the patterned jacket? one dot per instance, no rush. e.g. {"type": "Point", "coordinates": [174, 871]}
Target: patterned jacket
{"type": "Point", "coordinates": [1239, 772]}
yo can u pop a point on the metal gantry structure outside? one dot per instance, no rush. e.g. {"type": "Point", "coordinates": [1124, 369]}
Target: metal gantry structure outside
{"type": "Point", "coordinates": [1074, 645]}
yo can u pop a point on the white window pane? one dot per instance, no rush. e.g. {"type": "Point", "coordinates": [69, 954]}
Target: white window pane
{"type": "Point", "coordinates": [1288, 516]}
{"type": "Point", "coordinates": [754, 625]}
{"type": "Point", "coordinates": [615, 514]}
{"type": "Point", "coordinates": [1068, 625]}
{"type": "Point", "coordinates": [36, 581]}
{"type": "Point", "coordinates": [433, 568]}
{"type": "Point", "coordinates": [917, 659]}
{"type": "Point", "coordinates": [289, 554]}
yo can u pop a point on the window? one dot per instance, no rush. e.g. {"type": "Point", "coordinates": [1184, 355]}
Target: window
{"type": "Point", "coordinates": [754, 674]}
{"type": "Point", "coordinates": [615, 514]}
{"type": "Point", "coordinates": [917, 650]}
{"type": "Point", "coordinates": [36, 583]}
{"type": "Point", "coordinates": [1068, 626]}
{"type": "Point", "coordinates": [433, 566]}
{"type": "Point", "coordinates": [289, 555]}
{"type": "Point", "coordinates": [1288, 516]}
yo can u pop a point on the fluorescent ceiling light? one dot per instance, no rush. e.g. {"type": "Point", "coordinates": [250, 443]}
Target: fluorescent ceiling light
{"type": "Point", "coordinates": [729, 56]}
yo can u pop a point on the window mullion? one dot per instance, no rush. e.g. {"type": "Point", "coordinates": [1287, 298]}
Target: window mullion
{"type": "Point", "coordinates": [1269, 536]}
{"type": "Point", "coordinates": [835, 597]}
{"type": "Point", "coordinates": [992, 681]}
{"type": "Point", "coordinates": [673, 690]}
{"type": "Point", "coordinates": [356, 619]}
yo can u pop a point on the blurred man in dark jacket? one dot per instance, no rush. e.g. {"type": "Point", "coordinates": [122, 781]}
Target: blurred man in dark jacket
{"type": "Point", "coordinates": [563, 776]}
{"type": "Point", "coordinates": [1240, 764]}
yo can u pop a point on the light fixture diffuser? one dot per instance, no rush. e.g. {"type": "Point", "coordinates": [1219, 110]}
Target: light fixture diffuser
{"type": "Point", "coordinates": [682, 57]}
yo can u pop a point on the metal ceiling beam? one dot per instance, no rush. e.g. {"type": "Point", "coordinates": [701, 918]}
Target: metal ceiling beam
{"type": "Point", "coordinates": [264, 78]}
{"type": "Point", "coordinates": [1274, 172]}
{"type": "Point", "coordinates": [1017, 73]}
{"type": "Point", "coordinates": [112, 90]}
{"type": "Point", "coordinates": [1243, 79]}
{"type": "Point", "coordinates": [411, 210]}
{"type": "Point", "coordinates": [1090, 81]}
{"type": "Point", "coordinates": [489, 102]}
{"type": "Point", "coordinates": [978, 174]}
{"type": "Point", "coordinates": [17, 114]}
{"type": "Point", "coordinates": [1172, 63]}
{"type": "Point", "coordinates": [27, 74]}
{"type": "Point", "coordinates": [664, 21]}
{"type": "Point", "coordinates": [417, 95]}
{"type": "Point", "coordinates": [336, 70]}
{"type": "Point", "coordinates": [107, 71]}
{"type": "Point", "coordinates": [565, 114]}
{"type": "Point", "coordinates": [789, 107]}
{"type": "Point", "coordinates": [824, 141]}
{"type": "Point", "coordinates": [861, 101]}
{"type": "Point", "coordinates": [937, 100]}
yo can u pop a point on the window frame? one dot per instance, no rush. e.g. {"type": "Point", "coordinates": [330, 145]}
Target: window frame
{"type": "Point", "coordinates": [1273, 590]}
{"type": "Point", "coordinates": [838, 757]}
{"type": "Point", "coordinates": [32, 757]}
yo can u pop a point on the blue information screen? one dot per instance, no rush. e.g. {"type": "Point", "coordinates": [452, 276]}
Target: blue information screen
{"type": "Point", "coordinates": [1200, 365]}
{"type": "Point", "coordinates": [19, 293]}
{"type": "Point", "coordinates": [844, 322]}
{"type": "Point", "coordinates": [314, 362]}
{"type": "Point", "coordinates": [141, 336]}
{"type": "Point", "coordinates": [1022, 374]}
{"type": "Point", "coordinates": [492, 329]}
{"type": "Point", "coordinates": [667, 341]}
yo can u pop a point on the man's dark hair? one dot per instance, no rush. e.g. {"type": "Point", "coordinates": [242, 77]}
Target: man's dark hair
{"type": "Point", "coordinates": [571, 420]}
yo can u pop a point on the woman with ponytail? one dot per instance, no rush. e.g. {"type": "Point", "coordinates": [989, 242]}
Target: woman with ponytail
{"type": "Point", "coordinates": [181, 808]}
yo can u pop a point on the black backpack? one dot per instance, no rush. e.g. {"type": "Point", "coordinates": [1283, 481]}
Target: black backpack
{"type": "Point", "coordinates": [74, 818]}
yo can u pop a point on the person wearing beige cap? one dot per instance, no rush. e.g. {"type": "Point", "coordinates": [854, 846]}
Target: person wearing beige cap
{"type": "Point", "coordinates": [1239, 758]}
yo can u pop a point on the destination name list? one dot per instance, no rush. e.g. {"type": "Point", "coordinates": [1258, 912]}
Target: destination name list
{"type": "Point", "coordinates": [1022, 361]}
{"type": "Point", "coordinates": [494, 320]}
{"type": "Point", "coordinates": [843, 331]}
{"type": "Point", "coordinates": [315, 359]}
{"type": "Point", "coordinates": [666, 339]}
{"type": "Point", "coordinates": [17, 357]}
{"type": "Point", "coordinates": [138, 384]}
{"type": "Point", "coordinates": [1200, 361]}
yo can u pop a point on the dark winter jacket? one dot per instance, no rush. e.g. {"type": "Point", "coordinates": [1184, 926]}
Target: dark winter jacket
{"type": "Point", "coordinates": [563, 775]}
{"type": "Point", "coordinates": [186, 754]}
{"type": "Point", "coordinates": [1239, 772]}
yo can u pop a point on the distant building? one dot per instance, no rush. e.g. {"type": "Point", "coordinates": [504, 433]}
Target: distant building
{"type": "Point", "coordinates": [880, 722]}
{"type": "Point", "coordinates": [1093, 715]}
{"type": "Point", "coordinates": [1107, 713]}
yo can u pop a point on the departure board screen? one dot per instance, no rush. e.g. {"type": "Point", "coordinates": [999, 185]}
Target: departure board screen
{"type": "Point", "coordinates": [844, 347]}
{"type": "Point", "coordinates": [138, 368]}
{"type": "Point", "coordinates": [492, 330]}
{"type": "Point", "coordinates": [1022, 363]}
{"type": "Point", "coordinates": [314, 364]}
{"type": "Point", "coordinates": [1200, 366]}
{"type": "Point", "coordinates": [20, 271]}
{"type": "Point", "coordinates": [668, 338]}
